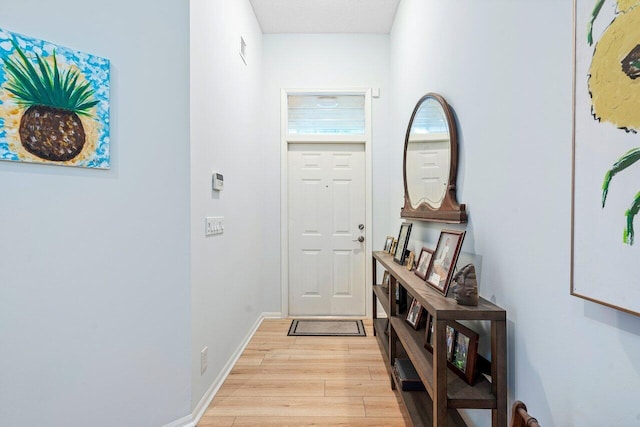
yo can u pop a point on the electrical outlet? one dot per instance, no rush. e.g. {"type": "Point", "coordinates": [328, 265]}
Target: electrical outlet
{"type": "Point", "coordinates": [203, 360]}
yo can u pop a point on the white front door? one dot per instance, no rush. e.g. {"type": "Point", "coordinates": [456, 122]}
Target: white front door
{"type": "Point", "coordinates": [326, 213]}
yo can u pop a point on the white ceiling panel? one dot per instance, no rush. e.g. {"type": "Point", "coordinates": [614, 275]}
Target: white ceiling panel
{"type": "Point", "coordinates": [325, 16]}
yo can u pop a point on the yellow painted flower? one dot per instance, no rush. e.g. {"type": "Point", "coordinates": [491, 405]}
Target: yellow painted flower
{"type": "Point", "coordinates": [626, 5]}
{"type": "Point", "coordinates": [613, 77]}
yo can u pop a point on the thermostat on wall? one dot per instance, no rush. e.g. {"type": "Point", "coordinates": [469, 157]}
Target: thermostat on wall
{"type": "Point", "coordinates": [217, 181]}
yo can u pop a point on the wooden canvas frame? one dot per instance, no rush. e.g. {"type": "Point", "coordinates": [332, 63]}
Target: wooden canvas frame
{"type": "Point", "coordinates": [606, 155]}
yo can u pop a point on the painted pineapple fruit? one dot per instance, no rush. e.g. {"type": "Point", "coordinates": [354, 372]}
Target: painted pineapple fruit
{"type": "Point", "coordinates": [50, 127]}
{"type": "Point", "coordinates": [614, 85]}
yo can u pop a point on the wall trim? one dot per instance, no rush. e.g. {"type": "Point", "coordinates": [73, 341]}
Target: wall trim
{"type": "Point", "coordinates": [192, 419]}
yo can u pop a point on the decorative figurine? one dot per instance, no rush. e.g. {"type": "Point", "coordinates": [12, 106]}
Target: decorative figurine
{"type": "Point", "coordinates": [465, 286]}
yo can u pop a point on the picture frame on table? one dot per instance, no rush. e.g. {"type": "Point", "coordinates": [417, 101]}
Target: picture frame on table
{"type": "Point", "coordinates": [465, 353]}
{"type": "Point", "coordinates": [444, 260]}
{"type": "Point", "coordinates": [430, 338]}
{"type": "Point", "coordinates": [462, 348]}
{"type": "Point", "coordinates": [385, 280]}
{"type": "Point", "coordinates": [394, 245]}
{"type": "Point", "coordinates": [400, 253]}
{"type": "Point", "coordinates": [414, 314]}
{"type": "Point", "coordinates": [428, 342]}
{"type": "Point", "coordinates": [401, 298]}
{"type": "Point", "coordinates": [410, 259]}
{"type": "Point", "coordinates": [388, 244]}
{"type": "Point", "coordinates": [451, 339]}
{"type": "Point", "coordinates": [424, 262]}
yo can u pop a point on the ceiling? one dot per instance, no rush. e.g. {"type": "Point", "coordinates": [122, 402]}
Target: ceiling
{"type": "Point", "coordinates": [325, 16]}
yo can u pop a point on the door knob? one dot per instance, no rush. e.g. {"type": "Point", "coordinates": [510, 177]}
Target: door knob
{"type": "Point", "coordinates": [359, 239]}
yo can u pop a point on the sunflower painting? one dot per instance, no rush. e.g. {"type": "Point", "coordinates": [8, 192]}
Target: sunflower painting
{"type": "Point", "coordinates": [606, 148]}
{"type": "Point", "coordinates": [54, 104]}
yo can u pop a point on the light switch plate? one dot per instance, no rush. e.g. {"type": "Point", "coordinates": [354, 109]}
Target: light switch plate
{"type": "Point", "coordinates": [214, 225]}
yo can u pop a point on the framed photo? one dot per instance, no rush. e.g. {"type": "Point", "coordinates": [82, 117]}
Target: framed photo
{"type": "Point", "coordinates": [388, 244]}
{"type": "Point", "coordinates": [429, 338]}
{"type": "Point", "coordinates": [414, 315]}
{"type": "Point", "coordinates": [462, 349]}
{"type": "Point", "coordinates": [451, 337]}
{"type": "Point", "coordinates": [394, 244]}
{"type": "Point", "coordinates": [403, 240]}
{"type": "Point", "coordinates": [444, 259]}
{"type": "Point", "coordinates": [429, 334]}
{"type": "Point", "coordinates": [465, 353]}
{"type": "Point", "coordinates": [401, 297]}
{"type": "Point", "coordinates": [409, 262]}
{"type": "Point", "coordinates": [424, 262]}
{"type": "Point", "coordinates": [385, 280]}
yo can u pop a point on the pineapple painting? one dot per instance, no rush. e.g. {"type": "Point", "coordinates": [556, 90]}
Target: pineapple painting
{"type": "Point", "coordinates": [54, 104]}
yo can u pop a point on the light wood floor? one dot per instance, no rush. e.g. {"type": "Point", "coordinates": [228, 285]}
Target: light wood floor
{"type": "Point", "coordinates": [306, 381]}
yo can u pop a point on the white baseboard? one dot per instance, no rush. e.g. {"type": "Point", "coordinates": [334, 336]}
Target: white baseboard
{"type": "Point", "coordinates": [192, 419]}
{"type": "Point", "coordinates": [186, 421]}
{"type": "Point", "coordinates": [273, 315]}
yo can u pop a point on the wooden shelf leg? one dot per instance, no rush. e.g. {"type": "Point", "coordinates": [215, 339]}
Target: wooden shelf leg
{"type": "Point", "coordinates": [393, 310]}
{"type": "Point", "coordinates": [499, 372]}
{"type": "Point", "coordinates": [374, 313]}
{"type": "Point", "coordinates": [374, 310]}
{"type": "Point", "coordinates": [440, 375]}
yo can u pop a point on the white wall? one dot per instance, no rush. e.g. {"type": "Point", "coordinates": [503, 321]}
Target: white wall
{"type": "Point", "coordinates": [94, 265]}
{"type": "Point", "coordinates": [506, 69]}
{"type": "Point", "coordinates": [226, 136]}
{"type": "Point", "coordinates": [322, 61]}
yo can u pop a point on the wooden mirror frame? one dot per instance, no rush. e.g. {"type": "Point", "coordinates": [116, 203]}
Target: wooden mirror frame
{"type": "Point", "coordinates": [449, 211]}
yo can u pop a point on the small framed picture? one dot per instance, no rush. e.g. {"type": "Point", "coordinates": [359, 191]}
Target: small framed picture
{"type": "Point", "coordinates": [465, 353]}
{"type": "Point", "coordinates": [430, 338]}
{"type": "Point", "coordinates": [451, 336]}
{"type": "Point", "coordinates": [388, 243]}
{"type": "Point", "coordinates": [403, 240]}
{"type": "Point", "coordinates": [385, 279]}
{"type": "Point", "coordinates": [424, 262]}
{"type": "Point", "coordinates": [462, 349]}
{"type": "Point", "coordinates": [409, 262]}
{"type": "Point", "coordinates": [444, 259]}
{"type": "Point", "coordinates": [414, 315]}
{"type": "Point", "coordinates": [429, 334]}
{"type": "Point", "coordinates": [401, 298]}
{"type": "Point", "coordinates": [394, 245]}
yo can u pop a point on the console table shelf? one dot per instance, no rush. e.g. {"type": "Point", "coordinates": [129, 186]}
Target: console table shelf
{"type": "Point", "coordinates": [445, 391]}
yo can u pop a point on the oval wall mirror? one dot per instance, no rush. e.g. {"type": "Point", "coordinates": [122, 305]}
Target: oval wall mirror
{"type": "Point", "coordinates": [431, 163]}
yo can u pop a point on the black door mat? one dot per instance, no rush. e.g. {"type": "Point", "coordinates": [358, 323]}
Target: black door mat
{"type": "Point", "coordinates": [327, 328]}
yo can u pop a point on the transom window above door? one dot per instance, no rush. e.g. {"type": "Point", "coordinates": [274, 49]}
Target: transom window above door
{"type": "Point", "coordinates": [326, 114]}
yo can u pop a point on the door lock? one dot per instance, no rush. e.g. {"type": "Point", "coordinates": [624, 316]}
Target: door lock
{"type": "Point", "coordinates": [361, 227]}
